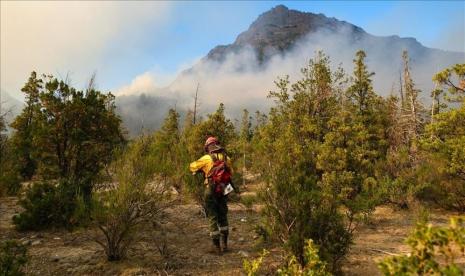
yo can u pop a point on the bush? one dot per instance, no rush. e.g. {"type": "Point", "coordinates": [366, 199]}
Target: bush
{"type": "Point", "coordinates": [444, 146]}
{"type": "Point", "coordinates": [46, 204]}
{"type": "Point", "coordinates": [253, 267]}
{"type": "Point", "coordinates": [10, 180]}
{"type": "Point", "coordinates": [398, 192]}
{"type": "Point", "coordinates": [448, 194]}
{"type": "Point", "coordinates": [317, 155]}
{"type": "Point", "coordinates": [10, 183]}
{"type": "Point", "coordinates": [136, 201]}
{"type": "Point", "coordinates": [13, 256]}
{"type": "Point", "coordinates": [434, 250]}
{"type": "Point", "coordinates": [313, 265]}
{"type": "Point", "coordinates": [248, 201]}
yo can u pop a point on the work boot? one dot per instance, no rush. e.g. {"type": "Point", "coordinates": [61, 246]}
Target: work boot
{"type": "Point", "coordinates": [216, 248]}
{"type": "Point", "coordinates": [225, 242]}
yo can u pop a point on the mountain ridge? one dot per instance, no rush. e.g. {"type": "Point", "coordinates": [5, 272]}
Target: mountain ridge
{"type": "Point", "coordinates": [277, 30]}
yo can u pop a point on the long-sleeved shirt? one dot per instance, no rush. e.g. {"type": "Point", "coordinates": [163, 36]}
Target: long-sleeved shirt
{"type": "Point", "coordinates": [205, 163]}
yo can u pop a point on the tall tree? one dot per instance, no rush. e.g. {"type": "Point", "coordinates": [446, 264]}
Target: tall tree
{"type": "Point", "coordinates": [166, 149]}
{"type": "Point", "coordinates": [412, 109]}
{"type": "Point", "coordinates": [368, 116]}
{"type": "Point", "coordinates": [445, 143]}
{"type": "Point", "coordinates": [25, 126]}
{"type": "Point", "coordinates": [302, 160]}
{"type": "Point", "coordinates": [66, 133]}
{"type": "Point", "coordinates": [361, 91]}
{"type": "Point", "coordinates": [453, 80]}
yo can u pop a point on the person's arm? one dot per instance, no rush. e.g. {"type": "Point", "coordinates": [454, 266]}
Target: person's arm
{"type": "Point", "coordinates": [199, 164]}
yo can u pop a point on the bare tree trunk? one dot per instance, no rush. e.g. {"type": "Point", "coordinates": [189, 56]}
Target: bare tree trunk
{"type": "Point", "coordinates": [195, 102]}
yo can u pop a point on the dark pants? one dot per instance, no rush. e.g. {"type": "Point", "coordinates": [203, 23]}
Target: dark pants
{"type": "Point", "coordinates": [217, 212]}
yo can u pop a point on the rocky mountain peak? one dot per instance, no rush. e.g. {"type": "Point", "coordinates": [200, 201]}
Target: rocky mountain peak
{"type": "Point", "coordinates": [277, 30]}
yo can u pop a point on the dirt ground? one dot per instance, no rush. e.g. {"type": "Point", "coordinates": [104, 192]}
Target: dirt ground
{"type": "Point", "coordinates": [61, 252]}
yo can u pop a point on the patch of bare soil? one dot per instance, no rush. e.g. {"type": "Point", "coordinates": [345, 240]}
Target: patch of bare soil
{"type": "Point", "coordinates": [179, 245]}
{"type": "Point", "coordinates": [385, 236]}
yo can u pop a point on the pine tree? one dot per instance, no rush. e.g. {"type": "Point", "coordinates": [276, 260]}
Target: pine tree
{"type": "Point", "coordinates": [445, 79]}
{"type": "Point", "coordinates": [361, 91]}
{"type": "Point", "coordinates": [25, 126]}
{"type": "Point", "coordinates": [216, 125]}
{"type": "Point", "coordinates": [368, 117]}
{"type": "Point", "coordinates": [304, 171]}
{"type": "Point", "coordinates": [166, 148]}
{"type": "Point", "coordinates": [64, 133]}
{"type": "Point", "coordinates": [444, 143]}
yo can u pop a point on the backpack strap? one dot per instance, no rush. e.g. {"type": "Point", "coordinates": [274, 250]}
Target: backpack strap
{"type": "Point", "coordinates": [215, 157]}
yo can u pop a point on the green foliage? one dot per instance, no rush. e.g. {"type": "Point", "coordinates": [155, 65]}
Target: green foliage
{"type": "Point", "coordinates": [248, 201]}
{"type": "Point", "coordinates": [48, 204]}
{"type": "Point", "coordinates": [403, 181]}
{"type": "Point", "coordinates": [447, 139]}
{"type": "Point", "coordinates": [444, 144]}
{"type": "Point", "coordinates": [26, 126]}
{"type": "Point", "coordinates": [252, 267]}
{"type": "Point", "coordinates": [65, 133]}
{"type": "Point", "coordinates": [10, 179]}
{"type": "Point", "coordinates": [193, 140]}
{"type": "Point", "coordinates": [137, 200]}
{"type": "Point", "coordinates": [169, 152]}
{"type": "Point", "coordinates": [434, 250]}
{"type": "Point", "coordinates": [13, 256]}
{"type": "Point", "coordinates": [361, 91]}
{"type": "Point", "coordinates": [440, 146]}
{"type": "Point", "coordinates": [243, 142]}
{"type": "Point", "coordinates": [216, 125]}
{"type": "Point", "coordinates": [317, 153]}
{"type": "Point", "coordinates": [452, 79]}
{"type": "Point", "coordinates": [313, 265]}
{"type": "Point", "coordinates": [10, 182]}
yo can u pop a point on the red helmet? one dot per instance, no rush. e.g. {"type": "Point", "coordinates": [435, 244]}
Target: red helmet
{"type": "Point", "coordinates": [210, 141]}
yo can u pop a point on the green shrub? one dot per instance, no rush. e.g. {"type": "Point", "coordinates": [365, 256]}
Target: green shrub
{"type": "Point", "coordinates": [195, 187]}
{"type": "Point", "coordinates": [434, 250]}
{"type": "Point", "coordinates": [136, 201]}
{"type": "Point", "coordinates": [13, 256]}
{"type": "Point", "coordinates": [10, 183]}
{"type": "Point", "coordinates": [398, 192]}
{"type": "Point", "coordinates": [313, 265]}
{"type": "Point", "coordinates": [317, 155]}
{"type": "Point", "coordinates": [10, 180]}
{"type": "Point", "coordinates": [49, 205]}
{"type": "Point", "coordinates": [253, 267]}
{"type": "Point", "coordinates": [248, 201]}
{"type": "Point", "coordinates": [262, 232]}
{"type": "Point", "coordinates": [448, 195]}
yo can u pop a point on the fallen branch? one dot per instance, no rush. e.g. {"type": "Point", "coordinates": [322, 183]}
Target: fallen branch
{"type": "Point", "coordinates": [384, 252]}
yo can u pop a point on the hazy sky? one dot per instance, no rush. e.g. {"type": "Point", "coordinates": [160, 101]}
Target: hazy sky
{"type": "Point", "coordinates": [149, 42]}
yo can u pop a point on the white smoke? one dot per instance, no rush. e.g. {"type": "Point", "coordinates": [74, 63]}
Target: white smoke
{"type": "Point", "coordinates": [239, 82]}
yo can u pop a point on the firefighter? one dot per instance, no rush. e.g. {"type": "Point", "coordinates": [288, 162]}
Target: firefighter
{"type": "Point", "coordinates": [216, 167]}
